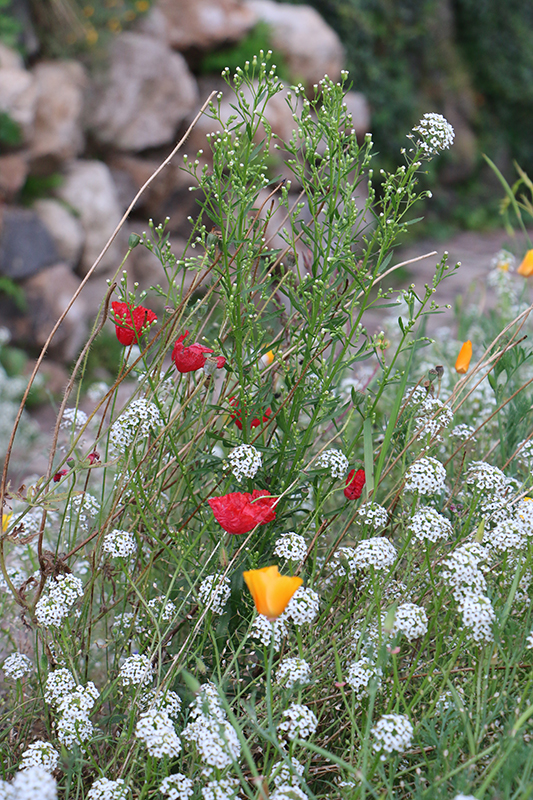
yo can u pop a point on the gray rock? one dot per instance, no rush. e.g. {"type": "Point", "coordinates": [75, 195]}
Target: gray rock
{"type": "Point", "coordinates": [147, 93]}
{"type": "Point", "coordinates": [311, 48]}
{"type": "Point", "coordinates": [18, 97]}
{"type": "Point", "coordinates": [65, 229]}
{"type": "Point", "coordinates": [199, 25]}
{"type": "Point", "coordinates": [48, 294]}
{"type": "Point", "coordinates": [57, 128]}
{"type": "Point", "coordinates": [88, 187]}
{"type": "Point", "coordinates": [13, 173]}
{"type": "Point", "coordinates": [26, 247]}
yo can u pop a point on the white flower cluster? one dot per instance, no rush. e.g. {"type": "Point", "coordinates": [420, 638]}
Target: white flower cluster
{"type": "Point", "coordinates": [59, 683]}
{"type": "Point", "coordinates": [392, 733]}
{"type": "Point", "coordinates": [293, 671]}
{"type": "Point", "coordinates": [335, 461]}
{"type": "Point", "coordinates": [156, 730]}
{"type": "Point", "coordinates": [487, 478]}
{"type": "Point", "coordinates": [436, 134]}
{"type": "Point", "coordinates": [299, 722]}
{"type": "Point", "coordinates": [73, 419]}
{"type": "Point", "coordinates": [524, 511]}
{"type": "Point", "coordinates": [215, 738]}
{"type": "Point", "coordinates": [525, 451]}
{"type": "Point", "coordinates": [284, 774]}
{"type": "Point", "coordinates": [17, 665]}
{"type": "Point", "coordinates": [291, 546]}
{"type": "Point", "coordinates": [303, 606]}
{"type": "Point", "coordinates": [432, 416]}
{"type": "Point", "coordinates": [119, 544]}
{"type": "Point", "coordinates": [529, 641]}
{"type": "Point", "coordinates": [105, 789]}
{"type": "Point", "coordinates": [245, 461]}
{"type": "Point", "coordinates": [214, 591]}
{"type": "Point", "coordinates": [478, 616]}
{"type": "Point", "coordinates": [29, 784]}
{"type": "Point", "coordinates": [462, 431]}
{"type": "Point", "coordinates": [373, 514]}
{"type": "Point", "coordinates": [222, 789]}
{"type": "Point", "coordinates": [134, 424]}
{"type": "Point", "coordinates": [506, 535]}
{"type": "Point", "coordinates": [360, 673]}
{"type": "Point", "coordinates": [425, 476]}
{"type": "Point", "coordinates": [40, 754]}
{"type": "Point", "coordinates": [264, 630]}
{"type": "Point", "coordinates": [177, 787]}
{"type": "Point", "coordinates": [57, 600]}
{"type": "Point", "coordinates": [136, 670]}
{"type": "Point", "coordinates": [162, 609]}
{"type": "Point", "coordinates": [428, 524]}
{"type": "Point", "coordinates": [81, 509]}
{"type": "Point", "coordinates": [462, 570]}
{"type": "Point", "coordinates": [377, 552]}
{"type": "Point", "coordinates": [169, 702]}
{"type": "Point", "coordinates": [73, 724]}
{"type": "Point", "coordinates": [288, 792]}
{"type": "Point", "coordinates": [411, 620]}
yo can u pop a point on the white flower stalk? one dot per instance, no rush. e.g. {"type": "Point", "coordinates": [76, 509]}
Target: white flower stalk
{"type": "Point", "coordinates": [16, 666]}
{"type": "Point", "coordinates": [426, 476]}
{"type": "Point", "coordinates": [214, 592]}
{"type": "Point", "coordinates": [292, 672]}
{"type": "Point", "coordinates": [119, 544]}
{"type": "Point", "coordinates": [291, 546]}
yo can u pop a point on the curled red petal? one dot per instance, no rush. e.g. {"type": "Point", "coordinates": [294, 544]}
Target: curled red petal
{"type": "Point", "coordinates": [240, 512]}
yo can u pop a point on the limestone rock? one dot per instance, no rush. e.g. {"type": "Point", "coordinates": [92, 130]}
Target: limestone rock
{"type": "Point", "coordinates": [147, 93]}
{"type": "Point", "coordinates": [88, 187]}
{"type": "Point", "coordinates": [200, 25]}
{"type": "Point", "coordinates": [65, 229]}
{"type": "Point", "coordinates": [26, 247]}
{"type": "Point", "coordinates": [18, 97]}
{"type": "Point", "coordinates": [57, 128]}
{"type": "Point", "coordinates": [48, 294]}
{"type": "Point", "coordinates": [13, 173]}
{"type": "Point", "coordinates": [311, 48]}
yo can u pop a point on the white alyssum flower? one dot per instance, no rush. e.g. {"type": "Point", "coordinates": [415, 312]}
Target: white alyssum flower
{"type": "Point", "coordinates": [425, 476]}
{"type": "Point", "coordinates": [291, 546]}
{"type": "Point", "coordinates": [463, 570]}
{"type": "Point", "coordinates": [245, 461]}
{"type": "Point", "coordinates": [478, 616]}
{"type": "Point", "coordinates": [427, 524]}
{"type": "Point", "coordinates": [529, 641]}
{"type": "Point", "coordinates": [435, 132]}
{"type": "Point", "coordinates": [433, 415]}
{"type": "Point", "coordinates": [81, 510]}
{"type": "Point", "coordinates": [163, 609]}
{"type": "Point", "coordinates": [57, 600]}
{"type": "Point", "coordinates": [282, 774]}
{"type": "Point", "coordinates": [40, 754]}
{"type": "Point", "coordinates": [335, 461]}
{"type": "Point", "coordinates": [214, 592]}
{"type": "Point", "coordinates": [299, 722]}
{"type": "Point", "coordinates": [73, 419]}
{"type": "Point", "coordinates": [207, 703]}
{"type": "Point", "coordinates": [222, 789]}
{"type": "Point", "coordinates": [136, 671]}
{"type": "Point", "coordinates": [377, 552]}
{"type": "Point", "coordinates": [373, 514]}
{"type": "Point", "coordinates": [32, 783]}
{"type": "Point", "coordinates": [59, 683]}
{"type": "Point", "coordinates": [392, 733]}
{"type": "Point", "coordinates": [289, 791]}
{"type": "Point", "coordinates": [523, 511]}
{"type": "Point", "coordinates": [360, 674]}
{"type": "Point", "coordinates": [156, 730]}
{"type": "Point", "coordinates": [74, 725]}
{"type": "Point", "coordinates": [465, 797]}
{"type": "Point", "coordinates": [462, 431]}
{"type": "Point", "coordinates": [17, 665]}
{"type": "Point", "coordinates": [293, 671]}
{"type": "Point", "coordinates": [168, 701]}
{"type": "Point", "coordinates": [525, 451]}
{"type": "Point", "coordinates": [303, 606]}
{"type": "Point", "coordinates": [135, 424]}
{"type": "Point", "coordinates": [411, 620]}
{"type": "Point", "coordinates": [216, 741]}
{"type": "Point", "coordinates": [263, 630]}
{"type": "Point", "coordinates": [105, 789]}
{"type": "Point", "coordinates": [486, 478]}
{"type": "Point", "coordinates": [177, 787]}
{"type": "Point", "coordinates": [506, 535]}
{"type": "Point", "coordinates": [119, 544]}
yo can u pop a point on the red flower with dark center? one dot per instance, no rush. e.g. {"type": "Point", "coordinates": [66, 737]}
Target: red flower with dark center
{"type": "Point", "coordinates": [240, 512]}
{"type": "Point", "coordinates": [192, 357]}
{"type": "Point", "coordinates": [130, 324]}
{"type": "Point", "coordinates": [354, 484]}
{"type": "Point", "coordinates": [60, 474]}
{"type": "Point", "coordinates": [236, 415]}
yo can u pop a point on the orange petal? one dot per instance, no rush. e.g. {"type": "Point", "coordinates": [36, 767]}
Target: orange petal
{"type": "Point", "coordinates": [463, 359]}
{"type": "Point", "coordinates": [526, 267]}
{"type": "Point", "coordinates": [280, 592]}
{"type": "Point", "coordinates": [258, 581]}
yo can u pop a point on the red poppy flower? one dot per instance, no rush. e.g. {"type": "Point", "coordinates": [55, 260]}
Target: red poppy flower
{"type": "Point", "coordinates": [94, 456]}
{"type": "Point", "coordinates": [60, 474]}
{"type": "Point", "coordinates": [354, 484]}
{"type": "Point", "coordinates": [192, 357]}
{"type": "Point", "coordinates": [130, 324]}
{"type": "Point", "coordinates": [240, 512]}
{"type": "Point", "coordinates": [236, 415]}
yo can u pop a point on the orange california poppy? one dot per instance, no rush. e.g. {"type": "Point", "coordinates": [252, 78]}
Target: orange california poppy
{"type": "Point", "coordinates": [270, 590]}
{"type": "Point", "coordinates": [526, 267]}
{"type": "Point", "coordinates": [463, 359]}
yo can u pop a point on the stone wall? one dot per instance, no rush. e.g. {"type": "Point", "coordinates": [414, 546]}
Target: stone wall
{"type": "Point", "coordinates": [105, 133]}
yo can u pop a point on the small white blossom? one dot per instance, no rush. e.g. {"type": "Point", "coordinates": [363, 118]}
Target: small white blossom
{"type": "Point", "coordinates": [291, 546]}
{"type": "Point", "coordinates": [59, 683]}
{"type": "Point", "coordinates": [40, 754]}
{"type": "Point", "coordinates": [478, 616]}
{"type": "Point", "coordinates": [81, 509]}
{"type": "Point", "coordinates": [529, 641]}
{"type": "Point", "coordinates": [377, 552]}
{"type": "Point", "coordinates": [289, 792]}
{"type": "Point", "coordinates": [207, 703]}
{"type": "Point", "coordinates": [73, 419]}
{"type": "Point", "coordinates": [486, 478]}
{"type": "Point", "coordinates": [299, 722]}
{"type": "Point", "coordinates": [428, 524]}
{"type": "Point", "coordinates": [373, 514]}
{"type": "Point", "coordinates": [156, 730]}
{"type": "Point", "coordinates": [177, 787]}
{"type": "Point", "coordinates": [169, 702]}
{"type": "Point", "coordinates": [136, 670]}
{"type": "Point", "coordinates": [216, 741]}
{"type": "Point", "coordinates": [105, 789]}
{"type": "Point", "coordinates": [282, 774]}
{"type": "Point", "coordinates": [33, 783]}
{"type": "Point", "coordinates": [135, 424]}
{"type": "Point", "coordinates": [462, 570]}
{"type": "Point", "coordinates": [215, 591]}
{"type": "Point", "coordinates": [303, 606]}
{"type": "Point", "coordinates": [411, 620]}
{"type": "Point", "coordinates": [17, 665]}
{"type": "Point", "coordinates": [360, 674]}
{"type": "Point", "coordinates": [425, 476]}
{"type": "Point", "coordinates": [392, 733]}
{"type": "Point", "coordinates": [223, 789]}
{"type": "Point", "coordinates": [292, 671]}
{"type": "Point", "coordinates": [335, 461]}
{"type": "Point", "coordinates": [245, 461]}
{"type": "Point", "coordinates": [162, 608]}
{"type": "Point", "coordinates": [436, 134]}
{"type": "Point", "coordinates": [462, 432]}
{"type": "Point", "coordinates": [56, 602]}
{"type": "Point", "coordinates": [525, 451]}
{"type": "Point", "coordinates": [506, 535]}
{"type": "Point", "coordinates": [119, 544]}
{"type": "Point", "coordinates": [432, 416]}
{"type": "Point", "coordinates": [263, 629]}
